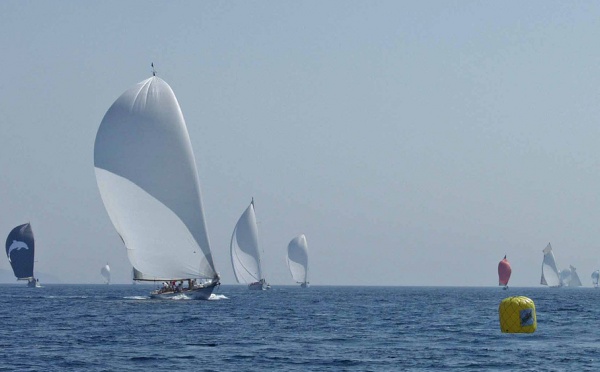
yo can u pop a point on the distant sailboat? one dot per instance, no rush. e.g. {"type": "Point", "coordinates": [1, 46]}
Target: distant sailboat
{"type": "Point", "coordinates": [504, 271]}
{"type": "Point", "coordinates": [550, 275]}
{"type": "Point", "coordinates": [595, 277]}
{"type": "Point", "coordinates": [565, 277]}
{"type": "Point", "coordinates": [105, 272]}
{"type": "Point", "coordinates": [20, 250]}
{"type": "Point", "coordinates": [245, 254]}
{"type": "Point", "coordinates": [575, 281]}
{"type": "Point", "coordinates": [297, 260]}
{"type": "Point", "coordinates": [147, 177]}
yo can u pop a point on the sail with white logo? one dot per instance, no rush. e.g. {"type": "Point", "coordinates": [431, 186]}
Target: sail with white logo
{"type": "Point", "coordinates": [297, 260]}
{"type": "Point", "coordinates": [105, 272]}
{"type": "Point", "coordinates": [20, 250]}
{"type": "Point", "coordinates": [245, 254]}
{"type": "Point", "coordinates": [550, 275]}
{"type": "Point", "coordinates": [147, 177]}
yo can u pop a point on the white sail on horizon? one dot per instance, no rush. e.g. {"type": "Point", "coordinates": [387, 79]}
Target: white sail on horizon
{"type": "Point", "coordinates": [105, 272]}
{"type": "Point", "coordinates": [297, 259]}
{"type": "Point", "coordinates": [550, 274]}
{"type": "Point", "coordinates": [245, 254]}
{"type": "Point", "coordinates": [575, 281]}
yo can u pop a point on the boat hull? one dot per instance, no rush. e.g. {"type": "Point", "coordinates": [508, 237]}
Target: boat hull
{"type": "Point", "coordinates": [304, 285]}
{"type": "Point", "coordinates": [197, 293]}
{"type": "Point", "coordinates": [259, 286]}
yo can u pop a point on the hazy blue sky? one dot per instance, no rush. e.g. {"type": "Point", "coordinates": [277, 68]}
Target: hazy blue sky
{"type": "Point", "coordinates": [414, 143]}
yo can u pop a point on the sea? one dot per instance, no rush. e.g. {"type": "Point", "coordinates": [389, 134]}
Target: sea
{"type": "Point", "coordinates": [288, 328]}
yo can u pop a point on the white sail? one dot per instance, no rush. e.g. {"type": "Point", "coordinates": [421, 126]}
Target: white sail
{"type": "Point", "coordinates": [595, 277]}
{"type": "Point", "coordinates": [146, 173]}
{"type": "Point", "coordinates": [565, 277]}
{"type": "Point", "coordinates": [549, 271]}
{"type": "Point", "coordinates": [245, 255]}
{"type": "Point", "coordinates": [105, 272]}
{"type": "Point", "coordinates": [297, 259]}
{"type": "Point", "coordinates": [575, 281]}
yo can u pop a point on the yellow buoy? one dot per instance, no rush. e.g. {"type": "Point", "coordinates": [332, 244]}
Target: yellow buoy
{"type": "Point", "coordinates": [517, 315]}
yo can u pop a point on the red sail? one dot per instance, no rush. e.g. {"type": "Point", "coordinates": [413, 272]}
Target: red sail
{"type": "Point", "coordinates": [504, 271]}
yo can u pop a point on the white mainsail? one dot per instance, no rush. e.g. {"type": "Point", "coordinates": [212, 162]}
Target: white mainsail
{"type": "Point", "coordinates": [147, 176]}
{"type": "Point", "coordinates": [550, 276]}
{"type": "Point", "coordinates": [297, 259]}
{"type": "Point", "coordinates": [105, 272]}
{"type": "Point", "coordinates": [245, 255]}
{"type": "Point", "coordinates": [595, 277]}
{"type": "Point", "coordinates": [575, 281]}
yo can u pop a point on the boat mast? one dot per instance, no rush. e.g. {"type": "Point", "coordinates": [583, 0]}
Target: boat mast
{"type": "Point", "coordinates": [262, 252]}
{"type": "Point", "coordinates": [153, 70]}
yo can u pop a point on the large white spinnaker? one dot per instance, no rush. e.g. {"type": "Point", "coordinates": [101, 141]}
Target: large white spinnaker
{"type": "Point", "coordinates": [297, 259]}
{"type": "Point", "coordinates": [146, 173]}
{"type": "Point", "coordinates": [550, 276]}
{"type": "Point", "coordinates": [245, 255]}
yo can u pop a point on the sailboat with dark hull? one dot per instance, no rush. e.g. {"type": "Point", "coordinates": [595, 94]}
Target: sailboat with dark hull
{"type": "Point", "coordinates": [20, 250]}
{"type": "Point", "coordinates": [147, 177]}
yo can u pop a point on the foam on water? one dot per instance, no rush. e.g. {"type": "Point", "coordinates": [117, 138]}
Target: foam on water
{"type": "Point", "coordinates": [216, 297]}
{"type": "Point", "coordinates": [179, 297]}
{"type": "Point", "coordinates": [136, 298]}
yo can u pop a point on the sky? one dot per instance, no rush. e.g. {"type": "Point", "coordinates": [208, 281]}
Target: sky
{"type": "Point", "coordinates": [414, 143]}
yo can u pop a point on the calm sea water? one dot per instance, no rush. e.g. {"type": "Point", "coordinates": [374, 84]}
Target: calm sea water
{"type": "Point", "coordinates": [117, 328]}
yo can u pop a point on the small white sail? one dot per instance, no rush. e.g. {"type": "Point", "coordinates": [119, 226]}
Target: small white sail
{"type": "Point", "coordinates": [575, 281]}
{"type": "Point", "coordinates": [595, 277]}
{"type": "Point", "coordinates": [297, 259]}
{"type": "Point", "coordinates": [146, 173]}
{"type": "Point", "coordinates": [245, 255]}
{"type": "Point", "coordinates": [550, 276]}
{"type": "Point", "coordinates": [105, 272]}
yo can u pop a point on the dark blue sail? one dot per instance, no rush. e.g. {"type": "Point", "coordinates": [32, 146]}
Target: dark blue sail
{"type": "Point", "coordinates": [20, 250]}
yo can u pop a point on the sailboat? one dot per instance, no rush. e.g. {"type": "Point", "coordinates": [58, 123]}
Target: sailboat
{"type": "Point", "coordinates": [595, 277]}
{"type": "Point", "coordinates": [105, 272]}
{"type": "Point", "coordinates": [297, 260]}
{"type": "Point", "coordinates": [20, 250]}
{"type": "Point", "coordinates": [245, 255]}
{"type": "Point", "coordinates": [575, 281]}
{"type": "Point", "coordinates": [565, 277]}
{"type": "Point", "coordinates": [148, 181]}
{"type": "Point", "coordinates": [504, 271]}
{"type": "Point", "coordinates": [550, 275]}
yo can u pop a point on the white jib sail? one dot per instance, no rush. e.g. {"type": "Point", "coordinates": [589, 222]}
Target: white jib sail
{"type": "Point", "coordinates": [297, 259]}
{"type": "Point", "coordinates": [549, 271]}
{"type": "Point", "coordinates": [245, 256]}
{"type": "Point", "coordinates": [147, 176]}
